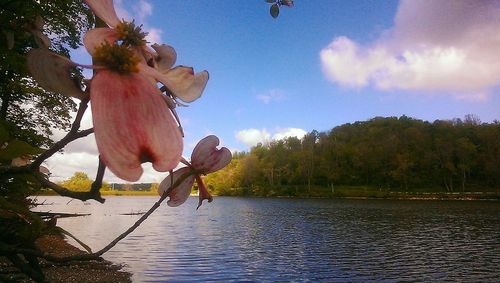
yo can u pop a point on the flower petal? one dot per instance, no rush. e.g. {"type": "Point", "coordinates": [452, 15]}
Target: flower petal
{"type": "Point", "coordinates": [52, 72]}
{"type": "Point", "coordinates": [145, 53]}
{"type": "Point", "coordinates": [184, 85]}
{"type": "Point", "coordinates": [105, 10]}
{"type": "Point", "coordinates": [96, 37]}
{"type": "Point", "coordinates": [181, 81]}
{"type": "Point", "coordinates": [207, 158]}
{"type": "Point", "coordinates": [202, 192]}
{"type": "Point", "coordinates": [44, 170]}
{"type": "Point", "coordinates": [21, 161]}
{"type": "Point", "coordinates": [166, 57]}
{"type": "Point", "coordinates": [180, 193]}
{"type": "Point", "coordinates": [132, 124]}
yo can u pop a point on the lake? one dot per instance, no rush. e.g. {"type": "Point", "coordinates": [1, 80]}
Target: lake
{"type": "Point", "coordinates": [252, 239]}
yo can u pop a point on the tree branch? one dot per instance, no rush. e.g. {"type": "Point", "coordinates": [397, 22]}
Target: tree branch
{"type": "Point", "coordinates": [97, 184]}
{"type": "Point", "coordinates": [34, 167]}
{"type": "Point", "coordinates": [72, 135]}
{"type": "Point", "coordinates": [83, 196]}
{"type": "Point", "coordinates": [7, 249]}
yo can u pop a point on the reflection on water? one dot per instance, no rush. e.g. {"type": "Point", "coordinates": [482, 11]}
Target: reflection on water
{"type": "Point", "coordinates": [235, 239]}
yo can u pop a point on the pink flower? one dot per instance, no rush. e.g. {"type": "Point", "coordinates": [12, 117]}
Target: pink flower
{"type": "Point", "coordinates": [133, 124]}
{"type": "Point", "coordinates": [132, 119]}
{"type": "Point", "coordinates": [205, 159]}
{"type": "Point", "coordinates": [181, 81]}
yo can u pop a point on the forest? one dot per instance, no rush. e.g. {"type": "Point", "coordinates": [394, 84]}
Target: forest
{"type": "Point", "coordinates": [398, 154]}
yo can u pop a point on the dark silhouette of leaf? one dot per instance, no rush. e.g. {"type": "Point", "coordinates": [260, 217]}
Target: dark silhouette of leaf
{"type": "Point", "coordinates": [17, 148]}
{"type": "Point", "coordinates": [275, 10]}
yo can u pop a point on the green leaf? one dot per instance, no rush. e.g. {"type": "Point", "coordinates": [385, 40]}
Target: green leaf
{"type": "Point", "coordinates": [275, 10]}
{"type": "Point", "coordinates": [17, 148]}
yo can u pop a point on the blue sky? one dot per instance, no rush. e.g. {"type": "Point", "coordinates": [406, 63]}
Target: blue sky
{"type": "Point", "coordinates": [318, 65]}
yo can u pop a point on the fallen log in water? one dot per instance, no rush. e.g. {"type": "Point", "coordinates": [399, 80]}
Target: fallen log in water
{"type": "Point", "coordinates": [46, 215]}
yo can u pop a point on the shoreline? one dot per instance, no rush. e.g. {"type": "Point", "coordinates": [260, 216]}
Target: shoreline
{"type": "Point", "coordinates": [369, 194]}
{"type": "Point", "coordinates": [76, 271]}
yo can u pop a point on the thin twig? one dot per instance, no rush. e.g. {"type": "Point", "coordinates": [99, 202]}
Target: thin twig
{"type": "Point", "coordinates": [72, 135]}
{"type": "Point", "coordinates": [83, 196]}
{"type": "Point", "coordinates": [146, 215]}
{"type": "Point", "coordinates": [97, 184]}
{"type": "Point", "coordinates": [4, 249]}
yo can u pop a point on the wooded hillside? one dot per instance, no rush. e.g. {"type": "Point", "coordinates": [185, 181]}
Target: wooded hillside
{"type": "Point", "coordinates": [394, 154]}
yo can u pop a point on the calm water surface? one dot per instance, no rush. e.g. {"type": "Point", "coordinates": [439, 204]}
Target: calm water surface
{"type": "Point", "coordinates": [247, 239]}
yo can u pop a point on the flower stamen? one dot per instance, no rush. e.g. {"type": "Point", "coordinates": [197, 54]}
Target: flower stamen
{"type": "Point", "coordinates": [130, 34]}
{"type": "Point", "coordinates": [117, 58]}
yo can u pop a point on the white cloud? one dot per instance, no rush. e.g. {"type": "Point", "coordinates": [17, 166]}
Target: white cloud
{"type": "Point", "coordinates": [64, 165]}
{"type": "Point", "coordinates": [271, 95]}
{"type": "Point", "coordinates": [252, 137]}
{"type": "Point", "coordinates": [121, 12]}
{"type": "Point", "coordinates": [86, 144]}
{"type": "Point", "coordinates": [143, 9]}
{"type": "Point", "coordinates": [289, 132]}
{"type": "Point", "coordinates": [154, 35]}
{"type": "Point", "coordinates": [83, 145]}
{"type": "Point", "coordinates": [149, 176]}
{"type": "Point", "coordinates": [445, 45]}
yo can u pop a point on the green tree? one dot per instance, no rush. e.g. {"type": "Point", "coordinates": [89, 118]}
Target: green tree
{"type": "Point", "coordinates": [465, 152]}
{"type": "Point", "coordinates": [249, 169]}
{"type": "Point", "coordinates": [34, 111]}
{"type": "Point", "coordinates": [444, 147]}
{"type": "Point", "coordinates": [402, 153]}
{"type": "Point", "coordinates": [308, 158]}
{"type": "Point", "coordinates": [28, 114]}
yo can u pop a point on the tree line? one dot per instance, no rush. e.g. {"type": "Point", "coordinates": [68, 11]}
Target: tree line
{"type": "Point", "coordinates": [81, 182]}
{"type": "Point", "coordinates": [390, 154]}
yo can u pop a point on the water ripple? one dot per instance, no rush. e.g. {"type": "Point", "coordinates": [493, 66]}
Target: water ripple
{"type": "Point", "coordinates": [284, 240]}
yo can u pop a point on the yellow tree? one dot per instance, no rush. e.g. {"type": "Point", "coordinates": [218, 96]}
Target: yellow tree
{"type": "Point", "coordinates": [80, 182]}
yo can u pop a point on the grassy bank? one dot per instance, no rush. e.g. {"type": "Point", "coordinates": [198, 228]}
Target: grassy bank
{"type": "Point", "coordinates": [107, 193]}
{"type": "Point", "coordinates": [129, 193]}
{"type": "Point", "coordinates": [360, 192]}
{"type": "Point", "coordinates": [331, 192]}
